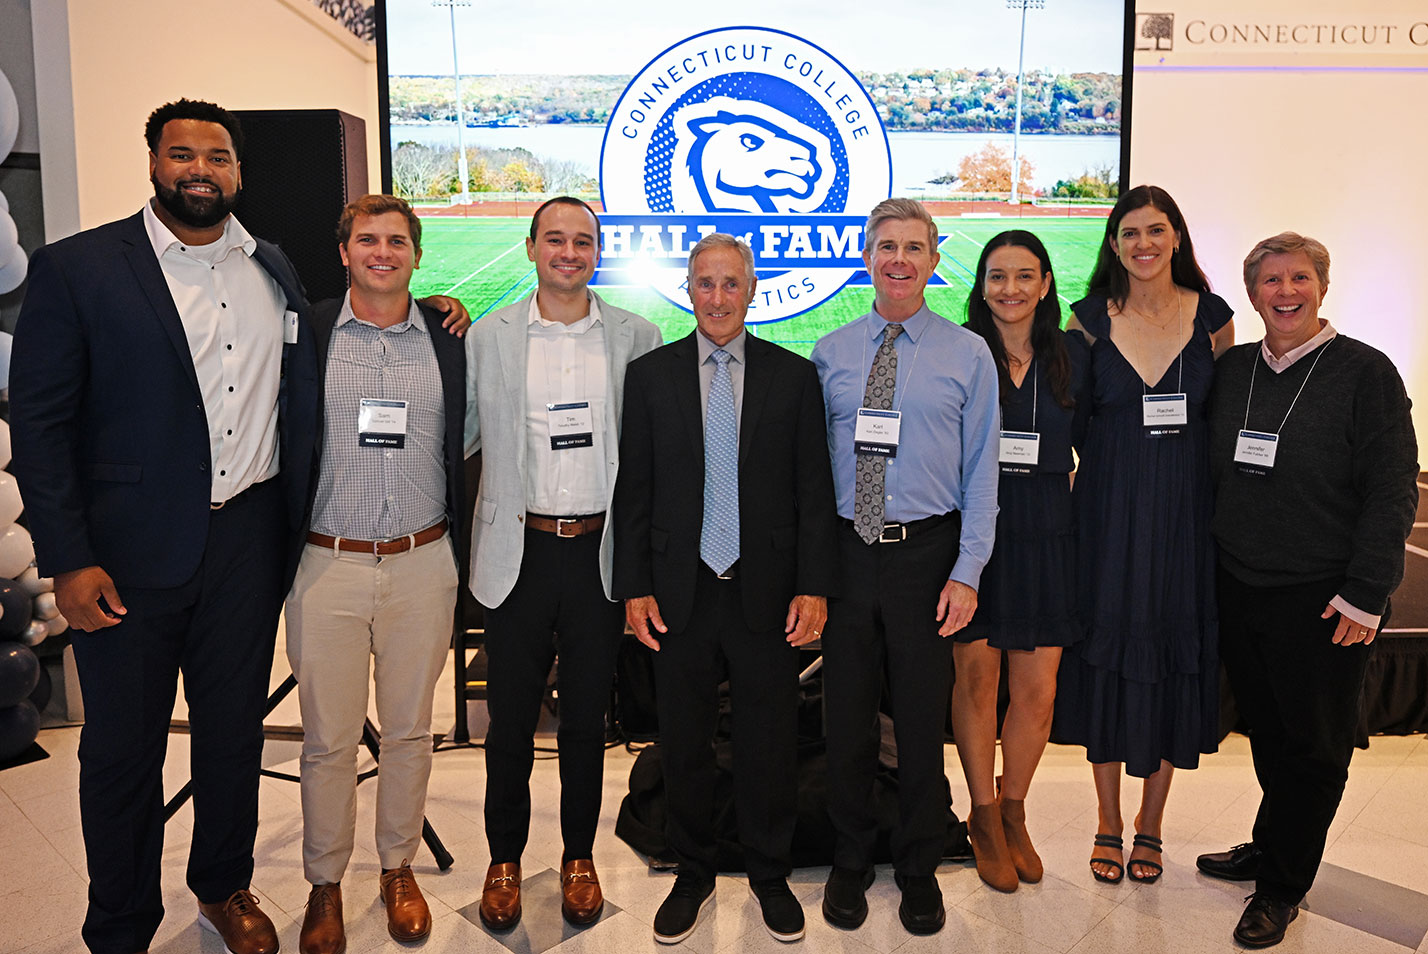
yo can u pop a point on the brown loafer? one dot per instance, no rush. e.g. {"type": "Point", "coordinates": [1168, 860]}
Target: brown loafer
{"type": "Point", "coordinates": [322, 931]}
{"type": "Point", "coordinates": [501, 896]}
{"type": "Point", "coordinates": [580, 899]}
{"type": "Point", "coordinates": [244, 929]}
{"type": "Point", "coordinates": [408, 917]}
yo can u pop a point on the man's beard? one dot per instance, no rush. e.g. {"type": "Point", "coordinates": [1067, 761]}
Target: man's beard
{"type": "Point", "coordinates": [192, 211]}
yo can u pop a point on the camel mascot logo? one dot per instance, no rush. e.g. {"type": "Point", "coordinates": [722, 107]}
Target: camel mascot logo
{"type": "Point", "coordinates": [740, 155]}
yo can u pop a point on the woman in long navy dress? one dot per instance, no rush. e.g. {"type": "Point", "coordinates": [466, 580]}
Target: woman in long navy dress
{"type": "Point", "coordinates": [1027, 602]}
{"type": "Point", "coordinates": [1142, 689]}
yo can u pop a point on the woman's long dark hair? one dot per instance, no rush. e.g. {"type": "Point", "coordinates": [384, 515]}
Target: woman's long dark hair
{"type": "Point", "coordinates": [1047, 345]}
{"type": "Point", "coordinates": [1109, 277]}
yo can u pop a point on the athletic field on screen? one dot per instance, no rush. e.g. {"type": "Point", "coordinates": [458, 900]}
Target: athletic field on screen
{"type": "Point", "coordinates": [482, 261]}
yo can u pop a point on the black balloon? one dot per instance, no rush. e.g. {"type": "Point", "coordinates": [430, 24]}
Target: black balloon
{"type": "Point", "coordinates": [43, 689]}
{"type": "Point", "coordinates": [19, 673]}
{"type": "Point", "coordinates": [19, 725]}
{"type": "Point", "coordinates": [15, 609]}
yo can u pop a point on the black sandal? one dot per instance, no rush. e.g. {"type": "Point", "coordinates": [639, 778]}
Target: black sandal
{"type": "Point", "coordinates": [1109, 841]}
{"type": "Point", "coordinates": [1154, 844]}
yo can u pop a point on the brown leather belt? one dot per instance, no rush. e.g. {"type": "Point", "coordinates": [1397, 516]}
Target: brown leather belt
{"type": "Point", "coordinates": [566, 526]}
{"type": "Point", "coordinates": [381, 547]}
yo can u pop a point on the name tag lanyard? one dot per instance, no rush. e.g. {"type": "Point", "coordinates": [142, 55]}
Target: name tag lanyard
{"type": "Point", "coordinates": [1168, 422]}
{"type": "Point", "coordinates": [1019, 453]}
{"type": "Point", "coordinates": [1255, 450]}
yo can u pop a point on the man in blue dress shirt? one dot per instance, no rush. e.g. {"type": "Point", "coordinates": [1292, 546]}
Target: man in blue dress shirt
{"type": "Point", "coordinates": [913, 432]}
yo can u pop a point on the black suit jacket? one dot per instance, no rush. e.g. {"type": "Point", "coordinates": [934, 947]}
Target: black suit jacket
{"type": "Point", "coordinates": [109, 432]}
{"type": "Point", "coordinates": [307, 371]}
{"type": "Point", "coordinates": [787, 516]}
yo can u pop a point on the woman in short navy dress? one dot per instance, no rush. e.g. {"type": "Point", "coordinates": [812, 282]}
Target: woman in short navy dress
{"type": "Point", "coordinates": [1027, 601]}
{"type": "Point", "coordinates": [1142, 689]}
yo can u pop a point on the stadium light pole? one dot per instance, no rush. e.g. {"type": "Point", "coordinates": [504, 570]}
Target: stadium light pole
{"type": "Point", "coordinates": [461, 169]}
{"type": "Point", "coordinates": [1023, 5]}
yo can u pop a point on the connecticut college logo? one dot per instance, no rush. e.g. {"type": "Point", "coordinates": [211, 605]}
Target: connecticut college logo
{"type": "Point", "coordinates": [749, 131]}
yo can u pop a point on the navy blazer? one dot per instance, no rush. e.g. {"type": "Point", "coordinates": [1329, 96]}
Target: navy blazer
{"type": "Point", "coordinates": [109, 432]}
{"type": "Point", "coordinates": [307, 372]}
{"type": "Point", "coordinates": [787, 517]}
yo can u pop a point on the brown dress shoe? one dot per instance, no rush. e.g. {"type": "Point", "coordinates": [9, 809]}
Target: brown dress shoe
{"type": "Point", "coordinates": [501, 896]}
{"type": "Point", "coordinates": [244, 929]}
{"type": "Point", "coordinates": [408, 917]}
{"type": "Point", "coordinates": [1024, 857]}
{"type": "Point", "coordinates": [989, 845]}
{"type": "Point", "coordinates": [322, 931]}
{"type": "Point", "coordinates": [580, 899]}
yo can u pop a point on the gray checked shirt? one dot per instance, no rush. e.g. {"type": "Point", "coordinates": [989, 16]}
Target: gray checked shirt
{"type": "Point", "coordinates": [377, 493]}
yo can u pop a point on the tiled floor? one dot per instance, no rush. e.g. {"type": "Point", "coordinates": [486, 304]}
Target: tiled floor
{"type": "Point", "coordinates": [1372, 894]}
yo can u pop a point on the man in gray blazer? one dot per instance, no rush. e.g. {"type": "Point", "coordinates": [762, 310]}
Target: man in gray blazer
{"type": "Point", "coordinates": [547, 375]}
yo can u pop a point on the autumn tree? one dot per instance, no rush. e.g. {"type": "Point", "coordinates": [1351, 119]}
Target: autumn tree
{"type": "Point", "coordinates": [989, 170]}
{"type": "Point", "coordinates": [420, 171]}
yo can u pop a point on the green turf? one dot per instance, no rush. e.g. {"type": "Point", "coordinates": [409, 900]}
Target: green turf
{"type": "Point", "coordinates": [482, 261]}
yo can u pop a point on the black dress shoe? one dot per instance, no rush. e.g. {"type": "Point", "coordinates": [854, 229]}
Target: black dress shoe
{"type": "Point", "coordinates": [783, 915]}
{"type": "Point", "coordinates": [921, 910]}
{"type": "Point", "coordinates": [679, 913]}
{"type": "Point", "coordinates": [845, 902]}
{"type": "Point", "coordinates": [1240, 863]}
{"type": "Point", "coordinates": [1264, 921]}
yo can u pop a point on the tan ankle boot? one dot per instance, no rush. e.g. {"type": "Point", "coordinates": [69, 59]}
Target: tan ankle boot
{"type": "Point", "coordinates": [1023, 856]}
{"type": "Point", "coordinates": [989, 844]}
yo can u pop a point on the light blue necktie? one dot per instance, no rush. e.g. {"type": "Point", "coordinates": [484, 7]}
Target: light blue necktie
{"type": "Point", "coordinates": [719, 538]}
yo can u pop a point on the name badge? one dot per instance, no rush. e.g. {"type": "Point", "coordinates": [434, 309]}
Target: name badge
{"type": "Point", "coordinates": [290, 326]}
{"type": "Point", "coordinates": [1019, 452]}
{"type": "Point", "coordinates": [571, 425]}
{"type": "Point", "coordinates": [381, 423]}
{"type": "Point", "coordinates": [1164, 414]}
{"type": "Point", "coordinates": [876, 432]}
{"type": "Point", "coordinates": [1254, 452]}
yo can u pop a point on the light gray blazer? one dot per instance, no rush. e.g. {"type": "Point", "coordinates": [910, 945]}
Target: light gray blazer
{"type": "Point", "coordinates": [496, 387]}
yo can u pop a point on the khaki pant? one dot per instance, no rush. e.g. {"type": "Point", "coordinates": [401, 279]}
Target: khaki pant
{"type": "Point", "coordinates": [344, 610]}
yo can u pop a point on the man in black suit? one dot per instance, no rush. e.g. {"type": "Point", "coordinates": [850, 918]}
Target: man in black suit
{"type": "Point", "coordinates": [725, 530]}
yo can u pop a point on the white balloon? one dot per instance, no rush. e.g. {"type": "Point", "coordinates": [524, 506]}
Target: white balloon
{"type": "Point", "coordinates": [35, 633]}
{"type": "Point", "coordinates": [4, 445]}
{"type": "Point", "coordinates": [32, 583]}
{"type": "Point", "coordinates": [13, 272]}
{"type": "Point", "coordinates": [45, 607]}
{"type": "Point", "coordinates": [57, 625]}
{"type": "Point", "coordinates": [16, 551]}
{"type": "Point", "coordinates": [4, 203]}
{"type": "Point", "coordinates": [10, 503]}
{"type": "Point", "coordinates": [9, 234]}
{"type": "Point", "coordinates": [9, 117]}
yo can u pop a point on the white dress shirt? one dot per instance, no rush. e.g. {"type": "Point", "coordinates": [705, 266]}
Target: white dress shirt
{"type": "Point", "coordinates": [232, 314]}
{"type": "Point", "coordinates": [565, 364]}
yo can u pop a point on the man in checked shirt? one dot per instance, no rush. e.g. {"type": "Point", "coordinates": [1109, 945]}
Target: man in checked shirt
{"type": "Point", "coordinates": [377, 572]}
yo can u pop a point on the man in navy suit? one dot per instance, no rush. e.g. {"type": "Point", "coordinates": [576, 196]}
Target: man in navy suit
{"type": "Point", "coordinates": [725, 537]}
{"type": "Point", "coordinates": [145, 412]}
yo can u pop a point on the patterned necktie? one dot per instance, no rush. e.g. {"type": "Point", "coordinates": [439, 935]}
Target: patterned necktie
{"type": "Point", "coordinates": [719, 537]}
{"type": "Point", "coordinates": [870, 470]}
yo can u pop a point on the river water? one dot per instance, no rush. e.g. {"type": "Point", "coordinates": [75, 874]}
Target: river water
{"type": "Point", "coordinates": [917, 157]}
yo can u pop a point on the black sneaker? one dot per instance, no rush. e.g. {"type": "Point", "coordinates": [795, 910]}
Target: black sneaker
{"type": "Point", "coordinates": [680, 912]}
{"type": "Point", "coordinates": [783, 915]}
{"type": "Point", "coordinates": [921, 910]}
{"type": "Point", "coordinates": [845, 902]}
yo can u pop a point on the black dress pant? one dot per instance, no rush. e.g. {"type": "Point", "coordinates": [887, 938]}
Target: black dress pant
{"type": "Point", "coordinates": [218, 630]}
{"type": "Point", "coordinates": [884, 621]}
{"type": "Point", "coordinates": [763, 692]}
{"type": "Point", "coordinates": [557, 608]}
{"type": "Point", "coordinates": [1299, 694]}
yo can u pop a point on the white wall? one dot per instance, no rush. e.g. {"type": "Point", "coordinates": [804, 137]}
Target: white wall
{"type": "Point", "coordinates": [102, 66]}
{"type": "Point", "coordinates": [1300, 125]}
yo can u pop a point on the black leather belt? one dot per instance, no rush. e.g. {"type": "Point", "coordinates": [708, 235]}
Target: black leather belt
{"type": "Point", "coordinates": [898, 532]}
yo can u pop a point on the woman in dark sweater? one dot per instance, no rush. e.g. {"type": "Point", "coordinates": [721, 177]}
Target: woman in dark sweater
{"type": "Point", "coordinates": [1315, 468]}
